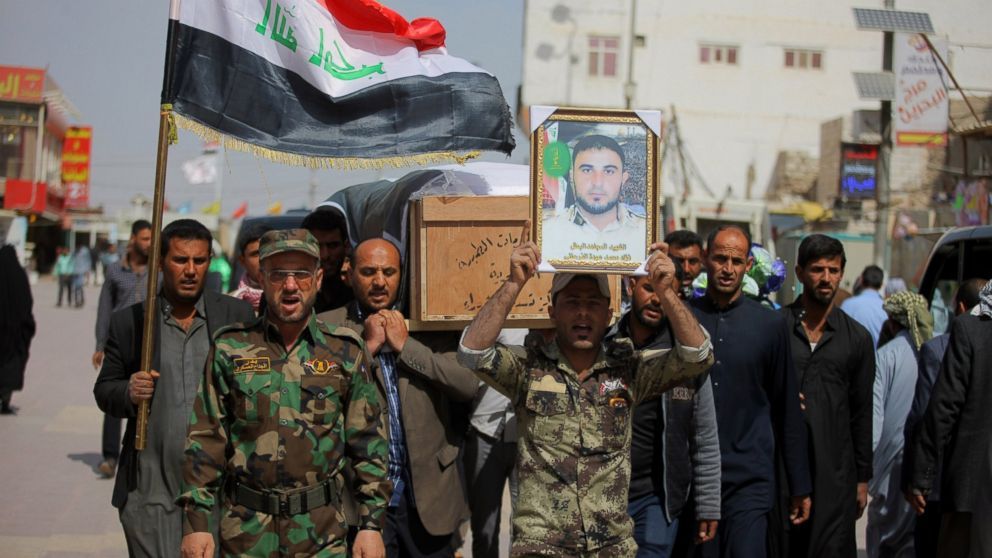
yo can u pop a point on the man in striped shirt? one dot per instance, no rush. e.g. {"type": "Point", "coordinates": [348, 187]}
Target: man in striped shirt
{"type": "Point", "coordinates": [126, 283]}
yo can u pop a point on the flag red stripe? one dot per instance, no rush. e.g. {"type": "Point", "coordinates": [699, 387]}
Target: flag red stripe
{"type": "Point", "coordinates": [368, 15]}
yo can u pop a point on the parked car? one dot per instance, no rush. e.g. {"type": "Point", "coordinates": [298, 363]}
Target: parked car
{"type": "Point", "coordinates": [959, 255]}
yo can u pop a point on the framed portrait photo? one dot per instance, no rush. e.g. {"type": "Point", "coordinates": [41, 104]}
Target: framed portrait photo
{"type": "Point", "coordinates": [594, 187]}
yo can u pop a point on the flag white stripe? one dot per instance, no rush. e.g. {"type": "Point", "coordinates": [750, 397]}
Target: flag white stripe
{"type": "Point", "coordinates": [235, 21]}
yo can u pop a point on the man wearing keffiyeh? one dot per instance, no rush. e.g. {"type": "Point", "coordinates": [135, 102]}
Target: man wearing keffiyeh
{"type": "Point", "coordinates": [890, 519]}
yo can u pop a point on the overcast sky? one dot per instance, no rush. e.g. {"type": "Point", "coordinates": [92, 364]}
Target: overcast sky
{"type": "Point", "coordinates": [107, 57]}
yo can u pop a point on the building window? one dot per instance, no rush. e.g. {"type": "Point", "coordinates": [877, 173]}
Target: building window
{"type": "Point", "coordinates": [603, 53]}
{"type": "Point", "coordinates": [718, 54]}
{"type": "Point", "coordinates": [803, 59]}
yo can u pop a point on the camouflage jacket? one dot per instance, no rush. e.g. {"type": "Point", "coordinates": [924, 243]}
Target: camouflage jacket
{"type": "Point", "coordinates": [573, 453]}
{"type": "Point", "coordinates": [278, 420]}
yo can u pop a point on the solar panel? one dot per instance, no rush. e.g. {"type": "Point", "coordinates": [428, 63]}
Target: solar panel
{"type": "Point", "coordinates": [875, 85]}
{"type": "Point", "coordinates": [893, 20]}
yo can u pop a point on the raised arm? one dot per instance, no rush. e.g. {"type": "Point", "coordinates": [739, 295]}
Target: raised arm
{"type": "Point", "coordinates": [433, 358]}
{"type": "Point", "coordinates": [661, 274]}
{"type": "Point", "coordinates": [485, 328]}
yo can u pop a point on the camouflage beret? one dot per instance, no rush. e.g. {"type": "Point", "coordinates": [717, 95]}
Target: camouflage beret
{"type": "Point", "coordinates": [288, 240]}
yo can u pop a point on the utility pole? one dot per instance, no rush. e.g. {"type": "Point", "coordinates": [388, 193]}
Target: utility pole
{"type": "Point", "coordinates": [882, 249]}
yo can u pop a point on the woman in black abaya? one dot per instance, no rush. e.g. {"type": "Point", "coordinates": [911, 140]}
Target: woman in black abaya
{"type": "Point", "coordinates": [16, 325]}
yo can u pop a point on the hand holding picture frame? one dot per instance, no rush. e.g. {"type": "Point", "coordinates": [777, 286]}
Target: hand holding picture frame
{"type": "Point", "coordinates": [594, 187]}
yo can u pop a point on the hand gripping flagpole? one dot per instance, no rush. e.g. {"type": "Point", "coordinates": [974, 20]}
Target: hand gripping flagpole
{"type": "Point", "coordinates": [166, 135]}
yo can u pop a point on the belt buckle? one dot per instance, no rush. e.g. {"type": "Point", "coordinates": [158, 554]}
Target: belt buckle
{"type": "Point", "coordinates": [283, 505]}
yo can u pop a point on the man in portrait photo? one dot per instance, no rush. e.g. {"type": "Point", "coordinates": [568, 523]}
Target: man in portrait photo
{"type": "Point", "coordinates": [598, 225]}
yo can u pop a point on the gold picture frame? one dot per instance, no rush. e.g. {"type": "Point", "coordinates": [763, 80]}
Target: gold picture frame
{"type": "Point", "coordinates": [594, 187]}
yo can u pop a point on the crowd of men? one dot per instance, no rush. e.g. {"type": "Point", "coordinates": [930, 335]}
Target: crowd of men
{"type": "Point", "coordinates": [299, 416]}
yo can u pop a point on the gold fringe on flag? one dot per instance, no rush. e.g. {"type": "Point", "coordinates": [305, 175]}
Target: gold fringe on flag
{"type": "Point", "coordinates": [337, 163]}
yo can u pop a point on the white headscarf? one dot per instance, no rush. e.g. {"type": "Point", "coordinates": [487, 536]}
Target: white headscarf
{"type": "Point", "coordinates": [984, 307]}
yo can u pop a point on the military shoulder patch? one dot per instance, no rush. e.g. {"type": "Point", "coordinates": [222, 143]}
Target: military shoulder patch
{"type": "Point", "coordinates": [251, 364]}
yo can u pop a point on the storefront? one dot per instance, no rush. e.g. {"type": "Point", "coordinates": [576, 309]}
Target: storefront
{"type": "Point", "coordinates": [34, 116]}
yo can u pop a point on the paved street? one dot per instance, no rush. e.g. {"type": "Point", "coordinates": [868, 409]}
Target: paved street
{"type": "Point", "coordinates": [53, 503]}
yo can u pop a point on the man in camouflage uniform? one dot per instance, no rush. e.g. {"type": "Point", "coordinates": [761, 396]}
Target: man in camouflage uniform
{"type": "Point", "coordinates": [286, 405]}
{"type": "Point", "coordinates": [573, 398]}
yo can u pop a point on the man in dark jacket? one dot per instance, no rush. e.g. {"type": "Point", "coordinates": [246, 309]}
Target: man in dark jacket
{"type": "Point", "coordinates": [149, 481]}
{"type": "Point", "coordinates": [954, 432]}
{"type": "Point", "coordinates": [931, 356]}
{"type": "Point", "coordinates": [126, 283]}
{"type": "Point", "coordinates": [420, 384]}
{"type": "Point", "coordinates": [675, 449]}
{"type": "Point", "coordinates": [835, 362]}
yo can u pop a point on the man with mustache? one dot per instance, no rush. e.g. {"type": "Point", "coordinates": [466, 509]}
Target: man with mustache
{"type": "Point", "coordinates": [757, 402]}
{"type": "Point", "coordinates": [287, 422]}
{"type": "Point", "coordinates": [421, 381]}
{"type": "Point", "coordinates": [573, 396]}
{"type": "Point", "coordinates": [674, 444]}
{"type": "Point", "coordinates": [598, 216]}
{"type": "Point", "coordinates": [125, 284]}
{"type": "Point", "coordinates": [686, 248]}
{"type": "Point", "coordinates": [834, 360]}
{"type": "Point", "coordinates": [186, 318]}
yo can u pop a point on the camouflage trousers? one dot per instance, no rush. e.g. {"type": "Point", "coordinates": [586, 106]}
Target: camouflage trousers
{"type": "Point", "coordinates": [322, 533]}
{"type": "Point", "coordinates": [536, 549]}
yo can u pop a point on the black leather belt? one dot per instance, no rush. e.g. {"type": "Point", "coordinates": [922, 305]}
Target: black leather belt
{"type": "Point", "coordinates": [286, 503]}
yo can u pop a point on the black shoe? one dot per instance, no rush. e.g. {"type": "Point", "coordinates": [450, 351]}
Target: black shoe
{"type": "Point", "coordinates": [7, 409]}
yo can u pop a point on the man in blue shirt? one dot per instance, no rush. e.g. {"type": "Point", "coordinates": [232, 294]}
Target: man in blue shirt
{"type": "Point", "coordinates": [866, 306]}
{"type": "Point", "coordinates": [757, 403]}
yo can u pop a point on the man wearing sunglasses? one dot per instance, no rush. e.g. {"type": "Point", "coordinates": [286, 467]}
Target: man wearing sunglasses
{"type": "Point", "coordinates": [287, 421]}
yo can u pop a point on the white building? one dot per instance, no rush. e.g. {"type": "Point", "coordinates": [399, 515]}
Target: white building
{"type": "Point", "coordinates": [747, 79]}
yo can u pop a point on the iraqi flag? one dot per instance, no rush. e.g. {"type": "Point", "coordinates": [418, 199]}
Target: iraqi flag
{"type": "Point", "coordinates": [339, 83]}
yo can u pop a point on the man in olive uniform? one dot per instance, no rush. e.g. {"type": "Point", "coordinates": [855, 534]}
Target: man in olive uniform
{"type": "Point", "coordinates": [286, 404]}
{"type": "Point", "coordinates": [573, 399]}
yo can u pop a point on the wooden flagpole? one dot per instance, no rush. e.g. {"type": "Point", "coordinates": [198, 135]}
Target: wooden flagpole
{"type": "Point", "coordinates": [161, 160]}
